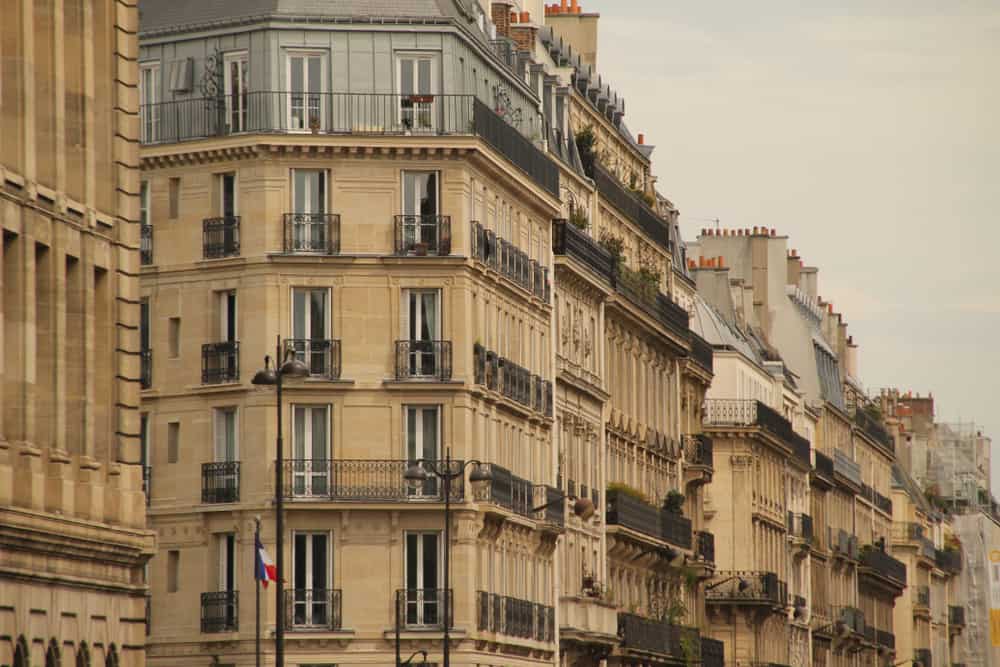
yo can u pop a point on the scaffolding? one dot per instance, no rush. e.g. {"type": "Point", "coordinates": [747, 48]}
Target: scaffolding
{"type": "Point", "coordinates": [958, 465]}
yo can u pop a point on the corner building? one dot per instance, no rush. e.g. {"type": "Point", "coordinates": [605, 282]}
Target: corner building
{"type": "Point", "coordinates": [73, 542]}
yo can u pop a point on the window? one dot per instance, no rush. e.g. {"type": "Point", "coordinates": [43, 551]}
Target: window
{"type": "Point", "coordinates": [52, 656]}
{"type": "Point", "coordinates": [227, 195]}
{"type": "Point", "coordinates": [174, 192]}
{"type": "Point", "coordinates": [417, 88]}
{"type": "Point", "coordinates": [420, 229]}
{"type": "Point", "coordinates": [226, 544]}
{"type": "Point", "coordinates": [422, 328]}
{"type": "Point", "coordinates": [236, 90]}
{"type": "Point", "coordinates": [423, 429]}
{"type": "Point", "coordinates": [310, 332]}
{"type": "Point", "coordinates": [144, 324]}
{"type": "Point", "coordinates": [173, 442]}
{"type": "Point", "coordinates": [144, 203]}
{"type": "Point", "coordinates": [173, 570]}
{"type": "Point", "coordinates": [149, 96]}
{"type": "Point", "coordinates": [420, 193]}
{"type": "Point", "coordinates": [312, 568]}
{"type": "Point", "coordinates": [226, 445]}
{"type": "Point", "coordinates": [21, 652]}
{"type": "Point", "coordinates": [305, 74]}
{"type": "Point", "coordinates": [310, 449]}
{"type": "Point", "coordinates": [227, 315]}
{"type": "Point", "coordinates": [174, 337]}
{"type": "Point", "coordinates": [423, 599]}
{"type": "Point", "coordinates": [308, 191]}
{"type": "Point", "coordinates": [144, 441]}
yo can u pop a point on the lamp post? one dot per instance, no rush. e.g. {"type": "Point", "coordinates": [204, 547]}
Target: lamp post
{"type": "Point", "coordinates": [446, 471]}
{"type": "Point", "coordinates": [268, 376]}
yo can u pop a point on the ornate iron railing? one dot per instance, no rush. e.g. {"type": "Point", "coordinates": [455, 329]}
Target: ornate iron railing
{"type": "Point", "coordinates": [877, 560]}
{"type": "Point", "coordinates": [956, 615]}
{"type": "Point", "coordinates": [220, 611]}
{"type": "Point", "coordinates": [736, 412]}
{"type": "Point", "coordinates": [313, 609]}
{"type": "Point", "coordinates": [312, 233]}
{"type": "Point", "coordinates": [705, 546]}
{"type": "Point", "coordinates": [949, 561]}
{"type": "Point", "coordinates": [632, 513]}
{"type": "Point", "coordinates": [220, 362]}
{"type": "Point", "coordinates": [509, 261]}
{"type": "Point", "coordinates": [744, 587]}
{"type": "Point", "coordinates": [220, 482]}
{"type": "Point", "coordinates": [423, 608]}
{"type": "Point", "coordinates": [145, 244]}
{"type": "Point", "coordinates": [702, 352]}
{"type": "Point", "coordinates": [423, 360]}
{"type": "Point", "coordinates": [698, 450]}
{"type": "Point", "coordinates": [510, 616]}
{"type": "Point", "coordinates": [800, 525]}
{"type": "Point", "coordinates": [322, 356]}
{"type": "Point", "coordinates": [422, 235]}
{"type": "Point", "coordinates": [146, 368]}
{"type": "Point", "coordinates": [221, 237]}
{"type": "Point", "coordinates": [846, 467]}
{"type": "Point", "coordinates": [513, 381]}
{"type": "Point", "coordinates": [873, 429]}
{"type": "Point", "coordinates": [569, 241]}
{"type": "Point", "coordinates": [923, 597]}
{"type": "Point", "coordinates": [517, 148]}
{"type": "Point", "coordinates": [658, 637]}
{"type": "Point", "coordinates": [360, 480]}
{"type": "Point", "coordinates": [511, 492]}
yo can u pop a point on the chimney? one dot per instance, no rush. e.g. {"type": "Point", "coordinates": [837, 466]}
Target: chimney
{"type": "Point", "coordinates": [575, 6]}
{"type": "Point", "coordinates": [576, 28]}
{"type": "Point", "coordinates": [851, 357]}
{"type": "Point", "coordinates": [642, 139]}
{"type": "Point", "coordinates": [793, 269]}
{"type": "Point", "coordinates": [501, 13]}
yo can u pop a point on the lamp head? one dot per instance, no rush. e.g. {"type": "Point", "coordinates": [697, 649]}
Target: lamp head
{"type": "Point", "coordinates": [293, 366]}
{"type": "Point", "coordinates": [415, 475]}
{"type": "Point", "coordinates": [266, 376]}
{"type": "Point", "coordinates": [480, 475]}
{"type": "Point", "coordinates": [584, 508]}
{"type": "Point", "coordinates": [743, 585]}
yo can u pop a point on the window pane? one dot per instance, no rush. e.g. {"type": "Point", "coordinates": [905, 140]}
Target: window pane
{"type": "Point", "coordinates": [297, 81]}
{"type": "Point", "coordinates": [429, 316]}
{"type": "Point", "coordinates": [411, 560]}
{"type": "Point", "coordinates": [430, 566]}
{"type": "Point", "coordinates": [319, 564]}
{"type": "Point", "coordinates": [319, 433]}
{"type": "Point", "coordinates": [300, 433]}
{"type": "Point", "coordinates": [317, 322]}
{"type": "Point", "coordinates": [409, 193]}
{"type": "Point", "coordinates": [406, 77]}
{"type": "Point", "coordinates": [298, 314]}
{"type": "Point", "coordinates": [315, 70]}
{"type": "Point", "coordinates": [411, 434]}
{"type": "Point", "coordinates": [430, 433]}
{"type": "Point", "coordinates": [424, 77]}
{"type": "Point", "coordinates": [300, 561]}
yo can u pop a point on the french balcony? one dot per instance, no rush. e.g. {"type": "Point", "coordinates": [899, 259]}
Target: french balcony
{"type": "Point", "coordinates": [360, 481]}
{"type": "Point", "coordinates": [644, 635]}
{"type": "Point", "coordinates": [744, 588]}
{"type": "Point", "coordinates": [220, 482]}
{"type": "Point", "coordinates": [221, 237]}
{"type": "Point", "coordinates": [956, 617]}
{"type": "Point", "coordinates": [698, 450]}
{"type": "Point", "coordinates": [428, 360]}
{"type": "Point", "coordinates": [312, 234]}
{"type": "Point", "coordinates": [220, 612]}
{"type": "Point", "coordinates": [422, 235]}
{"type": "Point", "coordinates": [748, 413]}
{"type": "Point", "coordinates": [847, 470]}
{"type": "Point", "coordinates": [145, 244]}
{"type": "Point", "coordinates": [512, 617]}
{"type": "Point", "coordinates": [146, 368]}
{"type": "Point", "coordinates": [220, 362]}
{"type": "Point", "coordinates": [423, 608]}
{"type": "Point", "coordinates": [313, 609]}
{"type": "Point", "coordinates": [322, 356]}
{"type": "Point", "coordinates": [713, 653]}
{"type": "Point", "coordinates": [876, 562]}
{"type": "Point", "coordinates": [800, 527]}
{"type": "Point", "coordinates": [885, 639]}
{"type": "Point", "coordinates": [705, 546]}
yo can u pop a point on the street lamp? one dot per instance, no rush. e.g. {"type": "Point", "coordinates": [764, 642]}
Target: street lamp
{"type": "Point", "coordinates": [582, 507]}
{"type": "Point", "coordinates": [446, 471]}
{"type": "Point", "coordinates": [268, 376]}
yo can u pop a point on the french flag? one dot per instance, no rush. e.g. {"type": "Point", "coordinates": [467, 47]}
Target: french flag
{"type": "Point", "coordinates": [264, 569]}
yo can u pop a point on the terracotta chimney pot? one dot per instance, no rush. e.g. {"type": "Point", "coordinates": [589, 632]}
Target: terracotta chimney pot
{"type": "Point", "coordinates": [525, 17]}
{"type": "Point", "coordinates": [575, 7]}
{"type": "Point", "coordinates": [563, 6]}
{"type": "Point", "coordinates": [642, 139]}
{"type": "Point", "coordinates": [774, 232]}
{"type": "Point", "coordinates": [722, 262]}
{"type": "Point", "coordinates": [513, 15]}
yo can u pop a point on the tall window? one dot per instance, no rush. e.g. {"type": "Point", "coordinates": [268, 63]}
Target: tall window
{"type": "Point", "coordinates": [149, 96]}
{"type": "Point", "coordinates": [226, 545]}
{"type": "Point", "coordinates": [310, 328]}
{"type": "Point", "coordinates": [417, 88]}
{"type": "Point", "coordinates": [420, 193]}
{"type": "Point", "coordinates": [237, 89]}
{"type": "Point", "coordinates": [423, 598]}
{"type": "Point", "coordinates": [310, 449]}
{"type": "Point", "coordinates": [422, 230]}
{"type": "Point", "coordinates": [228, 204]}
{"type": "Point", "coordinates": [305, 91]}
{"type": "Point", "coordinates": [422, 327]}
{"type": "Point", "coordinates": [144, 205]}
{"type": "Point", "coordinates": [312, 572]}
{"type": "Point", "coordinates": [423, 438]}
{"type": "Point", "coordinates": [310, 232]}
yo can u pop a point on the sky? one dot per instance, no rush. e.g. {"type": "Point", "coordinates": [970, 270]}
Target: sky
{"type": "Point", "coordinates": [866, 130]}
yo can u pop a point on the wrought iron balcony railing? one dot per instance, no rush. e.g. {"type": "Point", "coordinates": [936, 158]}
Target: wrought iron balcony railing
{"type": "Point", "coordinates": [513, 381]}
{"type": "Point", "coordinates": [313, 609]}
{"type": "Point", "coordinates": [509, 491]}
{"type": "Point", "coordinates": [628, 203]}
{"type": "Point", "coordinates": [702, 352]}
{"type": "Point", "coordinates": [698, 450]}
{"type": "Point", "coordinates": [922, 597]}
{"type": "Point", "coordinates": [220, 362]}
{"type": "Point", "coordinates": [146, 368]}
{"type": "Point", "coordinates": [949, 560]}
{"type": "Point", "coordinates": [515, 618]}
{"type": "Point", "coordinates": [733, 412]}
{"type": "Point", "coordinates": [423, 360]}
{"type": "Point", "coordinates": [883, 503]}
{"type": "Point", "coordinates": [676, 529]}
{"type": "Point", "coordinates": [423, 608]}
{"type": "Point", "coordinates": [632, 513]}
{"type": "Point", "coordinates": [422, 235]}
{"type": "Point", "coordinates": [850, 618]}
{"type": "Point", "coordinates": [800, 525]}
{"type": "Point", "coordinates": [357, 480]}
{"type": "Point", "coordinates": [885, 639]}
{"type": "Point", "coordinates": [322, 356]}
{"type": "Point", "coordinates": [145, 244]}
{"type": "Point", "coordinates": [713, 653]}
{"type": "Point", "coordinates": [744, 587]}
{"type": "Point", "coordinates": [879, 562]}
{"type": "Point", "coordinates": [220, 482]}
{"type": "Point", "coordinates": [824, 465]}
{"type": "Point", "coordinates": [508, 260]}
{"type": "Point", "coordinates": [312, 234]}
{"type": "Point", "coordinates": [872, 428]}
{"type": "Point", "coordinates": [220, 611]}
{"type": "Point", "coordinates": [847, 468]}
{"type": "Point", "coordinates": [221, 237]}
{"type": "Point", "coordinates": [922, 657]}
{"type": "Point", "coordinates": [705, 549]}
{"type": "Point", "coordinates": [956, 616]}
{"type": "Point", "coordinates": [569, 241]}
{"type": "Point", "coordinates": [658, 637]}
{"type": "Point", "coordinates": [147, 483]}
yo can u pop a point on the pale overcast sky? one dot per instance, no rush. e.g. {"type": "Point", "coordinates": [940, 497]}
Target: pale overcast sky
{"type": "Point", "coordinates": [866, 130]}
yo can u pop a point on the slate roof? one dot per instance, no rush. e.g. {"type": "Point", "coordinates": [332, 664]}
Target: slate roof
{"type": "Point", "coordinates": [709, 323]}
{"type": "Point", "coordinates": [159, 15]}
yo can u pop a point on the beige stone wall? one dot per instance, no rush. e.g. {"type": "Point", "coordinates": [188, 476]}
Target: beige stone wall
{"type": "Point", "coordinates": [72, 510]}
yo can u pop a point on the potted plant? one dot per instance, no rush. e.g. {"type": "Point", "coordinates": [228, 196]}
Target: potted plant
{"type": "Point", "coordinates": [420, 249]}
{"type": "Point", "coordinates": [314, 124]}
{"type": "Point", "coordinates": [674, 502]}
{"type": "Point", "coordinates": [578, 218]}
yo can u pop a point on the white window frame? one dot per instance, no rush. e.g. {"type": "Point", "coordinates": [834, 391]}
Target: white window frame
{"type": "Point", "coordinates": [420, 601]}
{"type": "Point", "coordinates": [149, 73]}
{"type": "Point", "coordinates": [324, 176]}
{"type": "Point", "coordinates": [218, 426]}
{"type": "Point", "coordinates": [430, 488]}
{"type": "Point", "coordinates": [236, 103]}
{"type": "Point", "coordinates": [310, 601]}
{"type": "Point", "coordinates": [222, 192]}
{"type": "Point", "coordinates": [426, 109]}
{"type": "Point", "coordinates": [223, 297]}
{"type": "Point", "coordinates": [324, 68]}
{"type": "Point", "coordinates": [306, 467]}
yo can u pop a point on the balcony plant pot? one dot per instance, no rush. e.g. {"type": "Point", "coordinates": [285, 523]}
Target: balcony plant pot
{"type": "Point", "coordinates": [314, 125]}
{"type": "Point", "coordinates": [421, 99]}
{"type": "Point", "coordinates": [420, 249]}
{"type": "Point", "coordinates": [588, 582]}
{"type": "Point", "coordinates": [674, 502]}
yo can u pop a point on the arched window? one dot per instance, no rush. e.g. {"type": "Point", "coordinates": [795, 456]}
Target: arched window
{"type": "Point", "coordinates": [83, 655]}
{"type": "Point", "coordinates": [112, 659]}
{"type": "Point", "coordinates": [21, 652]}
{"type": "Point", "coordinates": [52, 658]}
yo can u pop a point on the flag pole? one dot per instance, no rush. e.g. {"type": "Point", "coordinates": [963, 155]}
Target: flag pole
{"type": "Point", "coordinates": [256, 577]}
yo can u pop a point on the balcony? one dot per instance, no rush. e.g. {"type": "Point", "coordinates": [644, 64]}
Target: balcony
{"type": "Point", "coordinates": [851, 619]}
{"type": "Point", "coordinates": [428, 360]}
{"type": "Point", "coordinates": [747, 588]}
{"type": "Point", "coordinates": [220, 612]}
{"type": "Point", "coordinates": [512, 381]}
{"type": "Point", "coordinates": [569, 241]}
{"type": "Point", "coordinates": [847, 470]}
{"type": "Point", "coordinates": [875, 561]}
{"type": "Point", "coordinates": [423, 608]}
{"type": "Point", "coordinates": [705, 546]}
{"type": "Point", "coordinates": [312, 234]}
{"type": "Point", "coordinates": [634, 209]}
{"type": "Point", "coordinates": [512, 617]}
{"type": "Point", "coordinates": [422, 235]}
{"type": "Point", "coordinates": [146, 369]}
{"type": "Point", "coordinates": [220, 482]}
{"type": "Point", "coordinates": [357, 480]}
{"type": "Point", "coordinates": [713, 653]}
{"type": "Point", "coordinates": [873, 429]}
{"type": "Point", "coordinates": [702, 352]}
{"type": "Point", "coordinates": [322, 356]}
{"type": "Point", "coordinates": [313, 609]}
{"type": "Point", "coordinates": [869, 634]}
{"type": "Point", "coordinates": [883, 503]}
{"type": "Point", "coordinates": [632, 513]}
{"type": "Point", "coordinates": [922, 599]}
{"type": "Point", "coordinates": [644, 635]}
{"type": "Point", "coordinates": [824, 466]}
{"type": "Point", "coordinates": [698, 450]}
{"type": "Point", "coordinates": [800, 527]}
{"type": "Point", "coordinates": [145, 244]}
{"type": "Point", "coordinates": [743, 413]}
{"type": "Point", "coordinates": [885, 639]}
{"type": "Point", "coordinates": [147, 483]}
{"type": "Point", "coordinates": [509, 261]}
{"type": "Point", "coordinates": [221, 237]}
{"type": "Point", "coordinates": [676, 529]}
{"type": "Point", "coordinates": [922, 658]}
{"type": "Point", "coordinates": [956, 616]}
{"type": "Point", "coordinates": [948, 560]}
{"type": "Point", "coordinates": [507, 490]}
{"type": "Point", "coordinates": [220, 362]}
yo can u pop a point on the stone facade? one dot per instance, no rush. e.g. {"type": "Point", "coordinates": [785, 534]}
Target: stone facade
{"type": "Point", "coordinates": [73, 542]}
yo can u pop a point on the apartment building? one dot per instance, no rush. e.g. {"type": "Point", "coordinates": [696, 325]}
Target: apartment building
{"type": "Point", "coordinates": [73, 542]}
{"type": "Point", "coordinates": [853, 580]}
